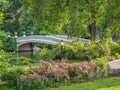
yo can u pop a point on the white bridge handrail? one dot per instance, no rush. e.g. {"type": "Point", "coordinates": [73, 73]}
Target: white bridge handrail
{"type": "Point", "coordinates": [48, 39]}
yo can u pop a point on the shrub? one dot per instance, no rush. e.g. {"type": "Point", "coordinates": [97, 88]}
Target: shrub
{"type": "Point", "coordinates": [3, 36]}
{"type": "Point", "coordinates": [80, 71]}
{"type": "Point", "coordinates": [12, 76]}
{"type": "Point", "coordinates": [101, 63]}
{"type": "Point", "coordinates": [20, 61]}
{"type": "Point", "coordinates": [115, 49]}
{"type": "Point", "coordinates": [68, 51]}
{"type": "Point", "coordinates": [43, 54]}
{"type": "Point", "coordinates": [1, 44]}
{"type": "Point", "coordinates": [3, 66]}
{"type": "Point", "coordinates": [52, 73]}
{"type": "Point", "coordinates": [23, 61]}
{"type": "Point", "coordinates": [10, 45]}
{"type": "Point", "coordinates": [76, 50]}
{"type": "Point", "coordinates": [5, 56]}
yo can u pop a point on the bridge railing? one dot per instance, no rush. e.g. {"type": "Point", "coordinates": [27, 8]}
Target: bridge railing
{"type": "Point", "coordinates": [49, 39]}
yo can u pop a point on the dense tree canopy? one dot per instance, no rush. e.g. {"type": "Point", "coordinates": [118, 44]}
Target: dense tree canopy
{"type": "Point", "coordinates": [15, 18]}
{"type": "Point", "coordinates": [1, 18]}
{"type": "Point", "coordinates": [76, 18]}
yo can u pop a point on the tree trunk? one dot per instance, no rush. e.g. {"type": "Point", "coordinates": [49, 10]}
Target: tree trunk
{"type": "Point", "coordinates": [94, 31]}
{"type": "Point", "coordinates": [93, 27]}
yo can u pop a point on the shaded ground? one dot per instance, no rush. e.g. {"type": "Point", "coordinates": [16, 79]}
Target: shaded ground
{"type": "Point", "coordinates": [114, 75]}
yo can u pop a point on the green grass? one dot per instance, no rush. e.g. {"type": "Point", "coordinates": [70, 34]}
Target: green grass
{"type": "Point", "coordinates": [104, 84]}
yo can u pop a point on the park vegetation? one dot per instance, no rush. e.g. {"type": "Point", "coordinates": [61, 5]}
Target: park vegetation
{"type": "Point", "coordinates": [96, 20]}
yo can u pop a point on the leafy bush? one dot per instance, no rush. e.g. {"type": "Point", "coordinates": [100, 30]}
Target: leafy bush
{"type": "Point", "coordinates": [101, 63]}
{"type": "Point", "coordinates": [115, 49]}
{"type": "Point", "coordinates": [52, 73]}
{"type": "Point", "coordinates": [12, 76]}
{"type": "Point", "coordinates": [71, 51]}
{"type": "Point", "coordinates": [9, 44]}
{"type": "Point", "coordinates": [1, 44]}
{"type": "Point", "coordinates": [3, 35]}
{"type": "Point", "coordinates": [23, 61]}
{"type": "Point", "coordinates": [5, 56]}
{"type": "Point", "coordinates": [76, 50]}
{"type": "Point", "coordinates": [43, 54]}
{"type": "Point", "coordinates": [3, 66]}
{"type": "Point", "coordinates": [20, 61]}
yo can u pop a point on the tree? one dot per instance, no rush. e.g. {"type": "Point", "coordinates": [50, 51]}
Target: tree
{"type": "Point", "coordinates": [75, 16]}
{"type": "Point", "coordinates": [16, 19]}
{"type": "Point", "coordinates": [113, 16]}
{"type": "Point", "coordinates": [1, 18]}
{"type": "Point", "coordinates": [86, 14]}
{"type": "Point", "coordinates": [50, 15]}
{"type": "Point", "coordinates": [11, 23]}
{"type": "Point", "coordinates": [25, 21]}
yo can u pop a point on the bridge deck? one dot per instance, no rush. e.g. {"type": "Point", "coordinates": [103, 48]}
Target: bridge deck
{"type": "Point", "coordinates": [49, 39]}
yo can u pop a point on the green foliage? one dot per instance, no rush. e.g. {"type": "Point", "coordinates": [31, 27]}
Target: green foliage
{"type": "Point", "coordinates": [9, 44]}
{"type": "Point", "coordinates": [72, 51]}
{"type": "Point", "coordinates": [69, 51]}
{"type": "Point", "coordinates": [102, 64]}
{"type": "Point", "coordinates": [12, 76]}
{"type": "Point", "coordinates": [113, 15]}
{"type": "Point", "coordinates": [69, 17]}
{"type": "Point", "coordinates": [1, 18]}
{"type": "Point", "coordinates": [16, 18]}
{"type": "Point", "coordinates": [43, 54]}
{"type": "Point", "coordinates": [74, 17]}
{"type": "Point", "coordinates": [115, 49]}
{"type": "Point", "coordinates": [3, 35]}
{"type": "Point", "coordinates": [3, 55]}
{"type": "Point", "coordinates": [25, 21]}
{"type": "Point", "coordinates": [76, 50]}
{"type": "Point", "coordinates": [3, 66]}
{"type": "Point", "coordinates": [21, 61]}
{"type": "Point", "coordinates": [5, 5]}
{"type": "Point", "coordinates": [1, 44]}
{"type": "Point", "coordinates": [98, 49]}
{"type": "Point", "coordinates": [10, 23]}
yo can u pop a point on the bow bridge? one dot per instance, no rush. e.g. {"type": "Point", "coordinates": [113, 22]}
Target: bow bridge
{"type": "Point", "coordinates": [28, 42]}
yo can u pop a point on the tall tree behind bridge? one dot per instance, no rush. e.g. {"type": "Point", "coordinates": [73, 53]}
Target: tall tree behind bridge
{"type": "Point", "coordinates": [73, 15]}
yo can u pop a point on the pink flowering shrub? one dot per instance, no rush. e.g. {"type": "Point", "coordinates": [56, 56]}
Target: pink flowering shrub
{"type": "Point", "coordinates": [64, 65]}
{"type": "Point", "coordinates": [49, 73]}
{"type": "Point", "coordinates": [81, 69]}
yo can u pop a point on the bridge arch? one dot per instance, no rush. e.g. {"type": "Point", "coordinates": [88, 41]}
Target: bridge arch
{"type": "Point", "coordinates": [47, 39]}
{"type": "Point", "coordinates": [36, 41]}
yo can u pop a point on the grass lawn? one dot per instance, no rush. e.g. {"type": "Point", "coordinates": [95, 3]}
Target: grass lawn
{"type": "Point", "coordinates": [104, 84]}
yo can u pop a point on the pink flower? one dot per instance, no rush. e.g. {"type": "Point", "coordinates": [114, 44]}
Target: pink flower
{"type": "Point", "coordinates": [64, 65]}
{"type": "Point", "coordinates": [33, 76]}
